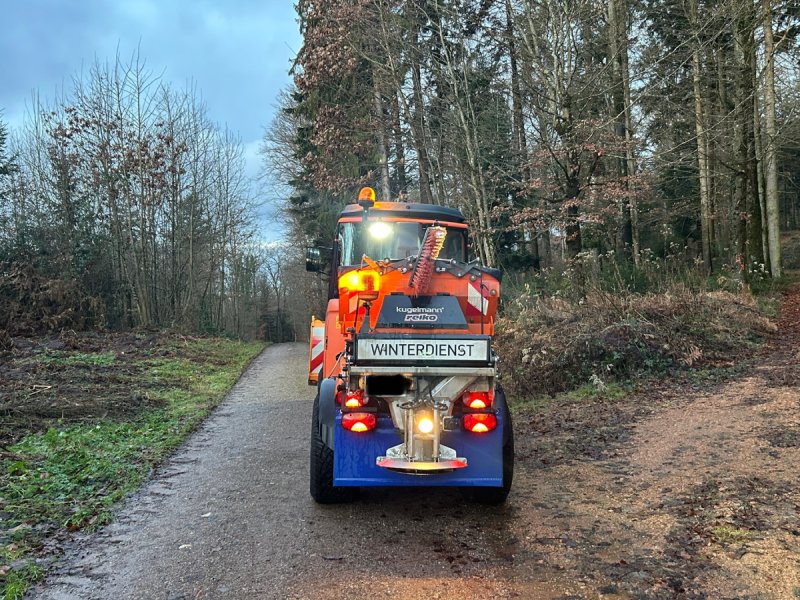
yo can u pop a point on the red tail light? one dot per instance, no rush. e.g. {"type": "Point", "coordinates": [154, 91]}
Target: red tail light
{"type": "Point", "coordinates": [359, 422]}
{"type": "Point", "coordinates": [480, 422]}
{"type": "Point", "coordinates": [477, 400]}
{"type": "Point", "coordinates": [354, 399]}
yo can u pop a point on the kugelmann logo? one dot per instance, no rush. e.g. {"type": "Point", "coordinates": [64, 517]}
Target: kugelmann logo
{"type": "Point", "coordinates": [420, 309]}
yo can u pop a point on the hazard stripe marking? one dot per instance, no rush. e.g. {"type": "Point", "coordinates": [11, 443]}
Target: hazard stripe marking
{"type": "Point", "coordinates": [317, 348]}
{"type": "Point", "coordinates": [477, 299]}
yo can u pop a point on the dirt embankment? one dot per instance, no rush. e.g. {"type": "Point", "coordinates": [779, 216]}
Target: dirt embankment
{"type": "Point", "coordinates": [687, 490]}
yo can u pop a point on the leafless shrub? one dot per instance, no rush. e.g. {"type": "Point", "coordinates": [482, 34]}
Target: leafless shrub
{"type": "Point", "coordinates": [32, 304]}
{"type": "Point", "coordinates": [555, 344]}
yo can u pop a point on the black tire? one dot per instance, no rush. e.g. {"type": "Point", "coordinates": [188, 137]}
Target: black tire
{"type": "Point", "coordinates": [498, 495]}
{"type": "Point", "coordinates": [321, 468]}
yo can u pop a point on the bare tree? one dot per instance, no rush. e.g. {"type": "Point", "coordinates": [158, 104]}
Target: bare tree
{"type": "Point", "coordinates": [770, 145]}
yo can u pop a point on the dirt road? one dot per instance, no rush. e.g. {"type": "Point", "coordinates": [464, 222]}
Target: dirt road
{"type": "Point", "coordinates": [686, 491]}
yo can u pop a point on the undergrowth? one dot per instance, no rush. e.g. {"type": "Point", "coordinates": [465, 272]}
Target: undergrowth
{"type": "Point", "coordinates": [598, 322]}
{"type": "Point", "coordinates": [70, 476]}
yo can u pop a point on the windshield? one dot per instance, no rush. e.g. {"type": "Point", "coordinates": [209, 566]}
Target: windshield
{"type": "Point", "coordinates": [393, 240]}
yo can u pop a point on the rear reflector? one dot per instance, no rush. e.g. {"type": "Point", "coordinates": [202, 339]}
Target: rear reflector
{"type": "Point", "coordinates": [359, 422]}
{"type": "Point", "coordinates": [480, 422]}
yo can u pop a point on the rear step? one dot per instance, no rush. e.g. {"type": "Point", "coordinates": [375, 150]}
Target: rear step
{"type": "Point", "coordinates": [421, 467]}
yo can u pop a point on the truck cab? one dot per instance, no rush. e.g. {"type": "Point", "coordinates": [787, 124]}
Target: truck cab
{"type": "Point", "coordinates": [403, 362]}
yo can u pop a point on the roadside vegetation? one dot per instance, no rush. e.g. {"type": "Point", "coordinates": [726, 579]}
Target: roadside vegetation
{"type": "Point", "coordinates": [84, 418]}
{"type": "Point", "coordinates": [596, 327]}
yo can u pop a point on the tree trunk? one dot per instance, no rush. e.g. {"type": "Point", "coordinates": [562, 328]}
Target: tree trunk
{"type": "Point", "coordinates": [770, 151]}
{"type": "Point", "coordinates": [418, 128]}
{"type": "Point", "coordinates": [456, 76]}
{"type": "Point", "coordinates": [520, 142]}
{"type": "Point", "coordinates": [630, 160]}
{"type": "Point", "coordinates": [380, 139]}
{"type": "Point", "coordinates": [519, 138]}
{"type": "Point", "coordinates": [625, 233]}
{"type": "Point", "coordinates": [399, 150]}
{"type": "Point", "coordinates": [760, 186]}
{"type": "Point", "coordinates": [572, 229]}
{"type": "Point", "coordinates": [750, 210]}
{"type": "Point", "coordinates": [702, 143]}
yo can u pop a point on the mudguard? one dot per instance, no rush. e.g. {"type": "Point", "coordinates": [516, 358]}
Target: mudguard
{"type": "Point", "coordinates": [327, 410]}
{"type": "Point", "coordinates": [501, 404]}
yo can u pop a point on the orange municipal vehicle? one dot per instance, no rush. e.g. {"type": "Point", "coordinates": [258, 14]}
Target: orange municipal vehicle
{"type": "Point", "coordinates": [406, 375]}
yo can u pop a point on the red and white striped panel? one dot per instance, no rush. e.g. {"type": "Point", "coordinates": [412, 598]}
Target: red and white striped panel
{"type": "Point", "coordinates": [317, 353]}
{"type": "Point", "coordinates": [477, 299]}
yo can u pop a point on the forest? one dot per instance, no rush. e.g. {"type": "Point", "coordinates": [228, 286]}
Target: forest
{"type": "Point", "coordinates": [626, 141]}
{"type": "Point", "coordinates": [123, 205]}
{"type": "Point", "coordinates": [619, 128]}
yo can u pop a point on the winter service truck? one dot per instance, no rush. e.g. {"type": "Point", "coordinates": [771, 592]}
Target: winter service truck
{"type": "Point", "coordinates": [406, 375]}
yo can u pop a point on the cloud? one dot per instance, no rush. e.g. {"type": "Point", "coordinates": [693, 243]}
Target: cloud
{"type": "Point", "coordinates": [43, 45]}
{"type": "Point", "coordinates": [237, 53]}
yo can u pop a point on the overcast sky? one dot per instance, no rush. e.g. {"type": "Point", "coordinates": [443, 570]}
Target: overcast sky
{"type": "Point", "coordinates": [237, 52]}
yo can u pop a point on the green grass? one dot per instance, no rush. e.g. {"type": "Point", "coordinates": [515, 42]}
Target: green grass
{"type": "Point", "coordinates": [91, 359]}
{"type": "Point", "coordinates": [69, 477]}
{"type": "Point", "coordinates": [609, 391]}
{"type": "Point", "coordinates": [18, 581]}
{"type": "Point", "coordinates": [727, 535]}
{"type": "Point", "coordinates": [590, 391]}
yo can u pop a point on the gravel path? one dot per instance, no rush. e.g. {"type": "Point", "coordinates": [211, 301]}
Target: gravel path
{"type": "Point", "coordinates": [229, 516]}
{"type": "Point", "coordinates": [226, 516]}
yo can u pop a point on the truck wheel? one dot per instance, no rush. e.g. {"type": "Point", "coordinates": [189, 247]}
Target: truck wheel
{"type": "Point", "coordinates": [495, 496]}
{"type": "Point", "coordinates": [321, 468]}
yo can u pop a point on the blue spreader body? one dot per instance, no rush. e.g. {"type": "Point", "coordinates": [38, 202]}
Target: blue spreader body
{"type": "Point", "coordinates": [354, 456]}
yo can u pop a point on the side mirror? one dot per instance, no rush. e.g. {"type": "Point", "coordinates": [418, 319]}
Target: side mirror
{"type": "Point", "coordinates": [316, 259]}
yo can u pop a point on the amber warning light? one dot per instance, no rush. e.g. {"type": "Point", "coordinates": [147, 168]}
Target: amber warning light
{"type": "Point", "coordinates": [365, 283]}
{"type": "Point", "coordinates": [366, 197]}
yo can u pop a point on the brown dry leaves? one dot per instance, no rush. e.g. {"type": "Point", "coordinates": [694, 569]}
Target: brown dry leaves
{"type": "Point", "coordinates": [557, 344]}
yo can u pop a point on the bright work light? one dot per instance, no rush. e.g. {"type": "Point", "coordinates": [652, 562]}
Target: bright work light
{"type": "Point", "coordinates": [425, 425]}
{"type": "Point", "coordinates": [380, 230]}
